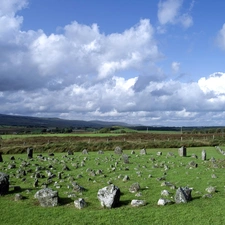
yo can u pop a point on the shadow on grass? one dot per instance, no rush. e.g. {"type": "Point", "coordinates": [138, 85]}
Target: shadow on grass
{"type": "Point", "coordinates": [65, 201]}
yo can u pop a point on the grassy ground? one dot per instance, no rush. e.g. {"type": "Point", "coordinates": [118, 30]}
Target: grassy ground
{"type": "Point", "coordinates": [199, 211]}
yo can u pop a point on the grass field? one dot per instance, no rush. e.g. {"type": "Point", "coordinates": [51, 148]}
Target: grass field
{"type": "Point", "coordinates": [173, 169]}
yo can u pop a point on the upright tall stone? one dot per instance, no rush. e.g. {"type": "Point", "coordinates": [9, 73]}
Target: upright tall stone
{"type": "Point", "coordinates": [30, 153]}
{"type": "Point", "coordinates": [182, 151]}
{"type": "Point", "coordinates": [203, 154]}
{"type": "Point", "coordinates": [4, 183]}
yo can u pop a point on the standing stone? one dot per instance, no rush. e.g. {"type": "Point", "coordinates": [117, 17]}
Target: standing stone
{"type": "Point", "coordinates": [80, 203]}
{"type": "Point", "coordinates": [47, 197]}
{"type": "Point", "coordinates": [85, 151]}
{"type": "Point", "coordinates": [183, 195]}
{"type": "Point", "coordinates": [30, 153]}
{"type": "Point", "coordinates": [4, 183]}
{"type": "Point", "coordinates": [125, 159]}
{"type": "Point", "coordinates": [143, 151]}
{"type": "Point", "coordinates": [1, 159]}
{"type": "Point", "coordinates": [203, 154]}
{"type": "Point", "coordinates": [109, 196]}
{"type": "Point", "coordinates": [118, 150]}
{"type": "Point", "coordinates": [182, 151]}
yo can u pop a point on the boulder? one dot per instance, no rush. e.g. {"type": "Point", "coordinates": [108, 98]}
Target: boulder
{"type": "Point", "coordinates": [47, 197]}
{"type": "Point", "coordinates": [80, 203]}
{"type": "Point", "coordinates": [137, 203]}
{"type": "Point", "coordinates": [4, 183]}
{"type": "Point", "coordinates": [163, 201]}
{"type": "Point", "coordinates": [109, 196]}
{"type": "Point", "coordinates": [183, 195]}
{"type": "Point", "coordinates": [135, 187]}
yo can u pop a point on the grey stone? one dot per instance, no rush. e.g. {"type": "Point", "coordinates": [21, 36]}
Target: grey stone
{"type": "Point", "coordinates": [47, 197]}
{"type": "Point", "coordinates": [109, 196]}
{"type": "Point", "coordinates": [4, 183]}
{"type": "Point", "coordinates": [18, 197]}
{"type": "Point", "coordinates": [118, 150]}
{"type": "Point", "coordinates": [163, 201]}
{"type": "Point", "coordinates": [183, 195]}
{"type": "Point", "coordinates": [80, 203]}
{"type": "Point", "coordinates": [30, 153]}
{"type": "Point", "coordinates": [211, 189]}
{"type": "Point", "coordinates": [182, 151]}
{"type": "Point", "coordinates": [203, 154]}
{"type": "Point", "coordinates": [125, 159]}
{"type": "Point", "coordinates": [85, 151]}
{"type": "Point", "coordinates": [143, 151]}
{"type": "Point", "coordinates": [135, 187]}
{"type": "Point", "coordinates": [137, 203]}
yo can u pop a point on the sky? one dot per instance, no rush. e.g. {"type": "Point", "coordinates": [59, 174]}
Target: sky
{"type": "Point", "coordinates": [155, 63]}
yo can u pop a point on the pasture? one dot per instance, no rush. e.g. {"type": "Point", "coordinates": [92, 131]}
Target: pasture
{"type": "Point", "coordinates": [151, 171]}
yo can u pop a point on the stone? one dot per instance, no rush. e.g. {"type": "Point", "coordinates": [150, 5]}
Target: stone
{"type": "Point", "coordinates": [47, 197]}
{"type": "Point", "coordinates": [182, 151]}
{"type": "Point", "coordinates": [77, 187]}
{"type": "Point", "coordinates": [12, 158]}
{"type": "Point", "coordinates": [165, 193]}
{"type": "Point", "coordinates": [85, 151]}
{"type": "Point", "coordinates": [30, 153]}
{"type": "Point", "coordinates": [4, 183]}
{"type": "Point", "coordinates": [159, 153]}
{"type": "Point", "coordinates": [203, 155]}
{"type": "Point", "coordinates": [192, 164]}
{"type": "Point", "coordinates": [125, 159]}
{"type": "Point", "coordinates": [109, 196]}
{"type": "Point", "coordinates": [143, 151]}
{"type": "Point", "coordinates": [211, 189]}
{"type": "Point", "coordinates": [183, 195]}
{"type": "Point", "coordinates": [163, 201]}
{"type": "Point", "coordinates": [137, 203]}
{"type": "Point", "coordinates": [100, 152]}
{"type": "Point", "coordinates": [118, 150]}
{"type": "Point", "coordinates": [18, 197]}
{"type": "Point", "coordinates": [126, 178]}
{"type": "Point", "coordinates": [135, 187]}
{"type": "Point", "coordinates": [80, 203]}
{"type": "Point", "coordinates": [194, 156]}
{"type": "Point", "coordinates": [70, 152]}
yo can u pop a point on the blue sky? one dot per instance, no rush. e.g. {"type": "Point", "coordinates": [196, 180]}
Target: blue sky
{"type": "Point", "coordinates": [158, 62]}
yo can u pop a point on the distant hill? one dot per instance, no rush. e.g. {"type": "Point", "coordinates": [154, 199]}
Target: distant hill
{"type": "Point", "coordinates": [28, 121]}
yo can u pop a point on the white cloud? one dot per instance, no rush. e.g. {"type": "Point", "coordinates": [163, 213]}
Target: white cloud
{"type": "Point", "coordinates": [169, 12]}
{"type": "Point", "coordinates": [213, 84]}
{"type": "Point", "coordinates": [221, 38]}
{"type": "Point", "coordinates": [175, 66]}
{"type": "Point", "coordinates": [79, 74]}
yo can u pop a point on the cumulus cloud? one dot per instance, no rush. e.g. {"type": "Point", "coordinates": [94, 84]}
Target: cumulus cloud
{"type": "Point", "coordinates": [169, 12]}
{"type": "Point", "coordinates": [82, 73]}
{"type": "Point", "coordinates": [175, 66]}
{"type": "Point", "coordinates": [221, 38]}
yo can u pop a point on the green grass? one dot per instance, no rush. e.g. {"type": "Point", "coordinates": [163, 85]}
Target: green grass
{"type": "Point", "coordinates": [198, 211]}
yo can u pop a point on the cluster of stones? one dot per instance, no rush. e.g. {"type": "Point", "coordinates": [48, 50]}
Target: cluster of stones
{"type": "Point", "coordinates": [108, 196]}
